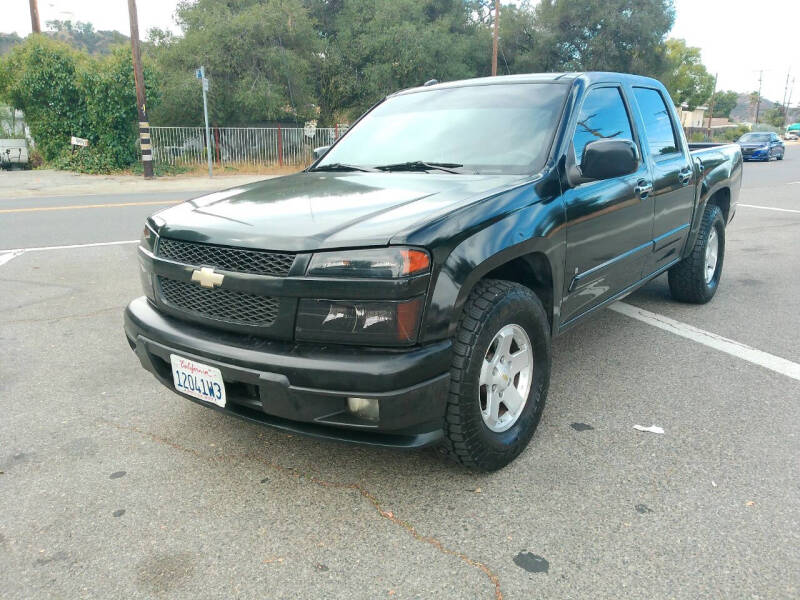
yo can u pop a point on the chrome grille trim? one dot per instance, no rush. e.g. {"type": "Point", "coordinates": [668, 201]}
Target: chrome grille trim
{"type": "Point", "coordinates": [241, 260]}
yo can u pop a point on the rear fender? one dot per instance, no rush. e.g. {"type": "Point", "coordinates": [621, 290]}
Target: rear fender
{"type": "Point", "coordinates": [720, 172]}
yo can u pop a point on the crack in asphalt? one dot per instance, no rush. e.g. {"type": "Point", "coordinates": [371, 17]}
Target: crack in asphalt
{"type": "Point", "coordinates": [297, 475]}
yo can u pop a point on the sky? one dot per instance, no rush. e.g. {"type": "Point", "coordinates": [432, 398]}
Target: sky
{"type": "Point", "coordinates": [737, 37]}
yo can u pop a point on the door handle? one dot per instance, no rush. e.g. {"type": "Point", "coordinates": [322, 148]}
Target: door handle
{"type": "Point", "coordinates": [643, 188]}
{"type": "Point", "coordinates": [685, 178]}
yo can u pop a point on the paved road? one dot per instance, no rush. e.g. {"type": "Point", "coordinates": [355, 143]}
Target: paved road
{"type": "Point", "coordinates": [112, 487]}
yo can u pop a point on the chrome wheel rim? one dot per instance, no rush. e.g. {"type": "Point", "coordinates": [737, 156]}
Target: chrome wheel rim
{"type": "Point", "coordinates": [505, 380]}
{"type": "Point", "coordinates": [712, 252]}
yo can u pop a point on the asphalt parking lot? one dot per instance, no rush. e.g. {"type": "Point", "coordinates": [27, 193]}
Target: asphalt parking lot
{"type": "Point", "coordinates": [113, 487]}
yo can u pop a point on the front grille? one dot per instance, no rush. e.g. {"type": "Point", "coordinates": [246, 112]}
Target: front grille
{"type": "Point", "coordinates": [228, 306]}
{"type": "Point", "coordinates": [260, 262]}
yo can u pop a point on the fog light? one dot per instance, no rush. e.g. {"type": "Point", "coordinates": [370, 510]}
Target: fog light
{"type": "Point", "coordinates": [364, 408]}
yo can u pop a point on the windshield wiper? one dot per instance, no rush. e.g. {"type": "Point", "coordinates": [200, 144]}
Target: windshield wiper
{"type": "Point", "coordinates": [421, 165]}
{"type": "Point", "coordinates": [343, 167]}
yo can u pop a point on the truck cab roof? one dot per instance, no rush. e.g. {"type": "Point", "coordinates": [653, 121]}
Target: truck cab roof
{"type": "Point", "coordinates": [588, 77]}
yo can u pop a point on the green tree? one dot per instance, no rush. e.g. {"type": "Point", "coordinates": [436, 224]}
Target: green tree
{"type": "Point", "coordinates": [685, 76]}
{"type": "Point", "coordinates": [724, 103]}
{"type": "Point", "coordinates": [774, 116]}
{"type": "Point", "coordinates": [63, 93]}
{"type": "Point", "coordinates": [753, 100]}
{"type": "Point", "coordinates": [375, 47]}
{"type": "Point", "coordinates": [612, 35]}
{"type": "Point", "coordinates": [518, 40]}
{"type": "Point", "coordinates": [8, 41]}
{"type": "Point", "coordinates": [40, 77]}
{"type": "Point", "coordinates": [261, 57]}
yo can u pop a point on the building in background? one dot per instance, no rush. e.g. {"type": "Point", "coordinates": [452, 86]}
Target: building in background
{"type": "Point", "coordinates": [692, 118]}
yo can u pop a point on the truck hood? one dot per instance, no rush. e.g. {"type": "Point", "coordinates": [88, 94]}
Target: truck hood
{"type": "Point", "coordinates": [311, 211]}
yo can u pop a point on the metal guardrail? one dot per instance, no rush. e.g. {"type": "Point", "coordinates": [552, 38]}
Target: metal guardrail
{"type": "Point", "coordinates": [270, 146]}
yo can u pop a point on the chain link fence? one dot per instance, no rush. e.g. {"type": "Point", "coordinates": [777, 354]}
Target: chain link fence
{"type": "Point", "coordinates": [239, 146]}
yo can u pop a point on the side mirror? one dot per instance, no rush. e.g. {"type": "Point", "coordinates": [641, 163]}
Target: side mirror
{"type": "Point", "coordinates": [606, 159]}
{"type": "Point", "coordinates": [320, 152]}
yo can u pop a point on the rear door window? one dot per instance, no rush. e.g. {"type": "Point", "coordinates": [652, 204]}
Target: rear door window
{"type": "Point", "coordinates": [603, 116]}
{"type": "Point", "coordinates": [658, 125]}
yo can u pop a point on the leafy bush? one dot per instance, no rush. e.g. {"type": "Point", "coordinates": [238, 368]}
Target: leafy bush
{"type": "Point", "coordinates": [734, 133]}
{"type": "Point", "coordinates": [35, 160]}
{"type": "Point", "coordinates": [65, 93]}
{"type": "Point", "coordinates": [767, 127]}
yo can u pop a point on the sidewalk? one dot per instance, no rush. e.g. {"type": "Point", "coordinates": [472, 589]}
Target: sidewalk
{"type": "Point", "coordinates": [45, 182]}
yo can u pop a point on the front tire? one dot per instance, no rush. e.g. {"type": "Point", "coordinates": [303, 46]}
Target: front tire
{"type": "Point", "coordinates": [499, 376]}
{"type": "Point", "coordinates": [696, 278]}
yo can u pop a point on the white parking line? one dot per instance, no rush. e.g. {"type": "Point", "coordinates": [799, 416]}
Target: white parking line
{"type": "Point", "coordinates": [712, 340]}
{"type": "Point", "coordinates": [43, 248]}
{"type": "Point", "coordinates": [7, 255]}
{"type": "Point", "coordinates": [789, 210]}
{"type": "Point", "coordinates": [4, 258]}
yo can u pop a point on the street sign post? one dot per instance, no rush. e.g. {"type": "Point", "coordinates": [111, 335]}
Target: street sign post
{"type": "Point", "coordinates": [201, 75]}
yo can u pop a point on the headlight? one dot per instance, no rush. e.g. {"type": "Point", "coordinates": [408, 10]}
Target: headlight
{"type": "Point", "coordinates": [385, 263]}
{"type": "Point", "coordinates": [357, 322]}
{"type": "Point", "coordinates": [148, 240]}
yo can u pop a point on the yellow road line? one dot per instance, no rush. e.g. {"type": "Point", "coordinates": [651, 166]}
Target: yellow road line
{"type": "Point", "coordinates": [77, 206]}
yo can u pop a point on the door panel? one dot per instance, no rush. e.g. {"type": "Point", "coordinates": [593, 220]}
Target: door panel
{"type": "Point", "coordinates": [673, 203]}
{"type": "Point", "coordinates": [673, 179]}
{"type": "Point", "coordinates": [609, 223]}
{"type": "Point", "coordinates": [608, 240]}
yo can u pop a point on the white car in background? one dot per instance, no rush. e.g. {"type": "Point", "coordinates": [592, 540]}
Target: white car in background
{"type": "Point", "coordinates": [13, 152]}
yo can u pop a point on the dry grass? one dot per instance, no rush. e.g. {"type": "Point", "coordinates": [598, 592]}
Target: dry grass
{"type": "Point", "coordinates": [241, 169]}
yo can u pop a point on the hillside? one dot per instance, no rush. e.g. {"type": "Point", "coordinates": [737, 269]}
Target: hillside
{"type": "Point", "coordinates": [79, 35]}
{"type": "Point", "coordinates": [745, 110]}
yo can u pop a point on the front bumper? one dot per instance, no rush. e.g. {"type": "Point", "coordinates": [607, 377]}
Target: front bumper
{"type": "Point", "coordinates": [757, 155]}
{"type": "Point", "coordinates": [304, 387]}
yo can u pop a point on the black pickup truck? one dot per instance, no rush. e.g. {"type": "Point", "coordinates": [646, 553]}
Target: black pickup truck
{"type": "Point", "coordinates": [403, 290]}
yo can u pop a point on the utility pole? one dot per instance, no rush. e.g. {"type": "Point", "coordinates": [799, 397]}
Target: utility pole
{"type": "Point", "coordinates": [201, 75]}
{"type": "Point", "coordinates": [711, 108]}
{"type": "Point", "coordinates": [495, 36]}
{"type": "Point", "coordinates": [789, 101]}
{"type": "Point", "coordinates": [35, 27]}
{"type": "Point", "coordinates": [786, 106]}
{"type": "Point", "coordinates": [758, 102]}
{"type": "Point", "coordinates": [141, 100]}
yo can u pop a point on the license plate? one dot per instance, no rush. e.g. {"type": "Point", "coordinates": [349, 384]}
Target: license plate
{"type": "Point", "coordinates": [198, 380]}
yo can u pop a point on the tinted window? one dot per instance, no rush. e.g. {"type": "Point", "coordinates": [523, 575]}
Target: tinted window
{"type": "Point", "coordinates": [749, 138]}
{"type": "Point", "coordinates": [497, 128]}
{"type": "Point", "coordinates": [657, 122]}
{"type": "Point", "coordinates": [603, 116]}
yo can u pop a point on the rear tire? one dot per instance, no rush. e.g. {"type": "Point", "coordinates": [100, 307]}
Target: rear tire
{"type": "Point", "coordinates": [695, 279]}
{"type": "Point", "coordinates": [473, 436]}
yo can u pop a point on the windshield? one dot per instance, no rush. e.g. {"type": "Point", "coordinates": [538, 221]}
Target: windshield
{"type": "Point", "coordinates": [503, 128]}
{"type": "Point", "coordinates": [749, 138]}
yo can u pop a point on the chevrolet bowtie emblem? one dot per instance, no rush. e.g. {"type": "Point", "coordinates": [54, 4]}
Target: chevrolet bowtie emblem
{"type": "Point", "coordinates": [207, 278]}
